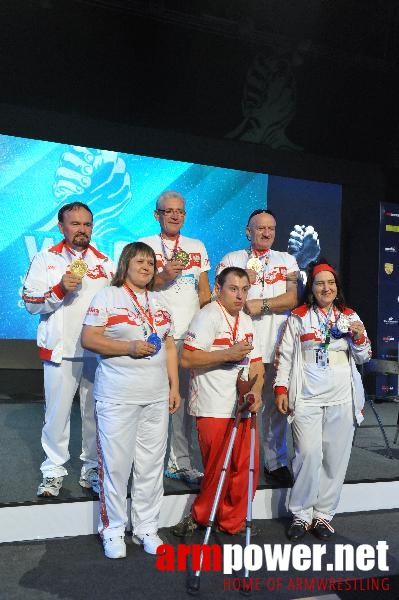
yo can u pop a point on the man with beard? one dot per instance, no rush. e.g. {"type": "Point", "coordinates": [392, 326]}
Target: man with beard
{"type": "Point", "coordinates": [59, 286]}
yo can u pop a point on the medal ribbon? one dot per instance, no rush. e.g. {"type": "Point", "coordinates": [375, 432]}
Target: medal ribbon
{"type": "Point", "coordinates": [70, 251]}
{"type": "Point", "coordinates": [323, 324]}
{"type": "Point", "coordinates": [233, 330]}
{"type": "Point", "coordinates": [165, 248]}
{"type": "Point", "coordinates": [146, 315]}
{"type": "Point", "coordinates": [260, 254]}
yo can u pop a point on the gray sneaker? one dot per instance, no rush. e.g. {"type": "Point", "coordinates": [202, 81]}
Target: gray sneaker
{"type": "Point", "coordinates": [187, 475]}
{"type": "Point", "coordinates": [90, 480]}
{"type": "Point", "coordinates": [186, 527]}
{"type": "Point", "coordinates": [50, 486]}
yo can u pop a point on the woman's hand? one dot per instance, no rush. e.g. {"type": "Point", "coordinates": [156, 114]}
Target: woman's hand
{"type": "Point", "coordinates": [174, 401]}
{"type": "Point", "coordinates": [140, 349]}
{"type": "Point", "coordinates": [357, 330]}
{"type": "Point", "coordinates": [281, 403]}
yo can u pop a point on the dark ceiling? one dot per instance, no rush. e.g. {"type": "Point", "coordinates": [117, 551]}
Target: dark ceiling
{"type": "Point", "coordinates": [183, 65]}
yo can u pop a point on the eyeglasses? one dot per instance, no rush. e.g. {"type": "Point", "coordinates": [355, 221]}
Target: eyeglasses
{"type": "Point", "coordinates": [179, 212]}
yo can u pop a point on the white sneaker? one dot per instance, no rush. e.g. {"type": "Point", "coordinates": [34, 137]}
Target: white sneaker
{"type": "Point", "coordinates": [90, 480]}
{"type": "Point", "coordinates": [50, 486]}
{"type": "Point", "coordinates": [149, 541]}
{"type": "Point", "coordinates": [115, 547]}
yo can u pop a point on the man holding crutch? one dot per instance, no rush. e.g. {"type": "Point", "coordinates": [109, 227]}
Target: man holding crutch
{"type": "Point", "coordinates": [219, 343]}
{"type": "Point", "coordinates": [274, 277]}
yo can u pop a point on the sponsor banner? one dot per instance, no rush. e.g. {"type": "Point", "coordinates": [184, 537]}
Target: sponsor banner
{"type": "Point", "coordinates": [388, 297]}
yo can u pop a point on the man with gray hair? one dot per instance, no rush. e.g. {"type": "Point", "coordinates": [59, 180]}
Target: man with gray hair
{"type": "Point", "coordinates": [182, 281]}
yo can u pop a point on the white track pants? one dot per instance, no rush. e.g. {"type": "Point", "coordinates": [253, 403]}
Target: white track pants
{"type": "Point", "coordinates": [131, 435]}
{"type": "Point", "coordinates": [274, 425]}
{"type": "Point", "coordinates": [60, 385]}
{"type": "Point", "coordinates": [322, 447]}
{"type": "Point", "coordinates": [181, 445]}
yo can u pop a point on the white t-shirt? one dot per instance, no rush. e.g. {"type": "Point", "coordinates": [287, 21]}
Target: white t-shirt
{"type": "Point", "coordinates": [124, 379]}
{"type": "Point", "coordinates": [181, 294]}
{"type": "Point", "coordinates": [270, 282]}
{"type": "Point", "coordinates": [213, 390]}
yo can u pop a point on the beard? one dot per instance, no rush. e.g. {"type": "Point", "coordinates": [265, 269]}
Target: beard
{"type": "Point", "coordinates": [81, 240]}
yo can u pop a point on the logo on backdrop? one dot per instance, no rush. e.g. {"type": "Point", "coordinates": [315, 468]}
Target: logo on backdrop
{"type": "Point", "coordinates": [388, 268]}
{"type": "Point", "coordinates": [390, 321]}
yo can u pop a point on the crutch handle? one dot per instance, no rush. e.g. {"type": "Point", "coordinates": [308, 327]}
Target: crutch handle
{"type": "Point", "coordinates": [249, 399]}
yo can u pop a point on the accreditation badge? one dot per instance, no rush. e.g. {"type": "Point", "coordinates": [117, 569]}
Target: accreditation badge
{"type": "Point", "coordinates": [322, 358]}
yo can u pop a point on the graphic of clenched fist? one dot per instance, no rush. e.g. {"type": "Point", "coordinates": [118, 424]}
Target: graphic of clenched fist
{"type": "Point", "coordinates": [303, 243]}
{"type": "Point", "coordinates": [96, 177]}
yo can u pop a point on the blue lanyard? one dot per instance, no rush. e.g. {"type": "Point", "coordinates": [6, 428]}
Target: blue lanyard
{"type": "Point", "coordinates": [323, 325]}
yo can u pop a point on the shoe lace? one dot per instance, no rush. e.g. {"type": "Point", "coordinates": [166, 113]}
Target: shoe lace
{"type": "Point", "coordinates": [51, 480]}
{"type": "Point", "coordinates": [320, 521]}
{"type": "Point", "coordinates": [297, 522]}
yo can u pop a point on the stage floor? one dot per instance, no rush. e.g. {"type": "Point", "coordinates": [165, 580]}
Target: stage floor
{"type": "Point", "coordinates": [21, 417]}
{"type": "Point", "coordinates": [75, 568]}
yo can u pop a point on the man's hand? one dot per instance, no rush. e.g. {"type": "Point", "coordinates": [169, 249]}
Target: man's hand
{"type": "Point", "coordinates": [281, 403]}
{"type": "Point", "coordinates": [238, 351]}
{"type": "Point", "coordinates": [174, 401]}
{"type": "Point", "coordinates": [171, 270]}
{"type": "Point", "coordinates": [70, 282]}
{"type": "Point", "coordinates": [251, 275]}
{"type": "Point", "coordinates": [253, 307]}
{"type": "Point", "coordinates": [140, 349]}
{"type": "Point", "coordinates": [256, 404]}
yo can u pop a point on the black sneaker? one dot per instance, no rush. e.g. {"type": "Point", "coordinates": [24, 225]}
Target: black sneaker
{"type": "Point", "coordinates": [281, 476]}
{"type": "Point", "coordinates": [186, 527]}
{"type": "Point", "coordinates": [255, 531]}
{"type": "Point", "coordinates": [322, 529]}
{"type": "Point", "coordinates": [297, 529]}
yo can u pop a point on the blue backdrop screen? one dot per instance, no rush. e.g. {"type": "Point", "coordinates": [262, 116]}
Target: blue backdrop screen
{"type": "Point", "coordinates": [37, 177]}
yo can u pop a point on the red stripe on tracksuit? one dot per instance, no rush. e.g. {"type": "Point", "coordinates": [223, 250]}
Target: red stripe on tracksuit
{"type": "Point", "coordinates": [103, 506]}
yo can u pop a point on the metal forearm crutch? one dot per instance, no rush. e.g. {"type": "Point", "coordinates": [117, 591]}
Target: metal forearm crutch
{"type": "Point", "coordinates": [242, 405]}
{"type": "Point", "coordinates": [245, 589]}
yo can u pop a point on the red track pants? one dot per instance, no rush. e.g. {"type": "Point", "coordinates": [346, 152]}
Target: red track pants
{"type": "Point", "coordinates": [213, 436]}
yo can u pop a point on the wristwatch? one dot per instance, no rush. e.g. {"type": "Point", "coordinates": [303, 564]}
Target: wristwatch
{"type": "Point", "coordinates": [265, 310]}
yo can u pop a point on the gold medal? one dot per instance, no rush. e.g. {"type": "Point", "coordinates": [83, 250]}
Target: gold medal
{"type": "Point", "coordinates": [255, 264]}
{"type": "Point", "coordinates": [182, 256]}
{"type": "Point", "coordinates": [78, 268]}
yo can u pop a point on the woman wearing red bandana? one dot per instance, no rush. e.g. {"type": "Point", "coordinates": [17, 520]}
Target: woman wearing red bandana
{"type": "Point", "coordinates": [319, 388]}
